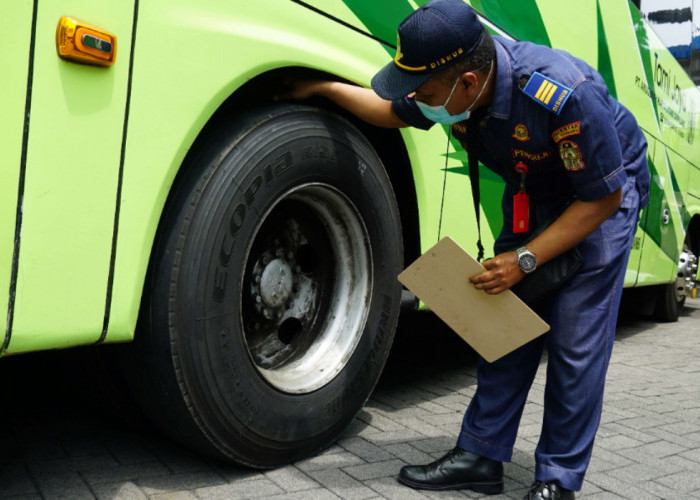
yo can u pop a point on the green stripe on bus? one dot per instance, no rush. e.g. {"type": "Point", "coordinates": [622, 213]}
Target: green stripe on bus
{"type": "Point", "coordinates": [604, 61]}
{"type": "Point", "coordinates": [520, 18]}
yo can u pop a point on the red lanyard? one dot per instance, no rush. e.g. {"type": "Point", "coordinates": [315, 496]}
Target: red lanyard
{"type": "Point", "coordinates": [521, 203]}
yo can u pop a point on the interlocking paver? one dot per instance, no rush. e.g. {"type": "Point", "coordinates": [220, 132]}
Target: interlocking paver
{"type": "Point", "coordinates": [317, 494]}
{"type": "Point", "coordinates": [652, 453]}
{"type": "Point", "coordinates": [122, 491]}
{"type": "Point", "coordinates": [180, 495]}
{"type": "Point", "coordinates": [682, 482]}
{"type": "Point", "coordinates": [74, 464]}
{"type": "Point", "coordinates": [64, 485]}
{"type": "Point", "coordinates": [291, 479]}
{"type": "Point", "coordinates": [245, 489]}
{"type": "Point", "coordinates": [433, 445]}
{"type": "Point", "coordinates": [374, 470]}
{"type": "Point", "coordinates": [385, 438]}
{"type": "Point", "coordinates": [329, 461]}
{"type": "Point", "coordinates": [421, 426]}
{"type": "Point", "coordinates": [618, 442]}
{"type": "Point", "coordinates": [619, 427]}
{"type": "Point", "coordinates": [179, 482]}
{"type": "Point", "coordinates": [624, 489]}
{"type": "Point", "coordinates": [342, 484]}
{"type": "Point", "coordinates": [390, 488]}
{"type": "Point", "coordinates": [125, 473]}
{"type": "Point", "coordinates": [379, 421]}
{"type": "Point", "coordinates": [15, 480]}
{"type": "Point", "coordinates": [693, 455]}
{"type": "Point", "coordinates": [648, 446]}
{"type": "Point", "coordinates": [365, 450]}
{"type": "Point", "coordinates": [408, 453]}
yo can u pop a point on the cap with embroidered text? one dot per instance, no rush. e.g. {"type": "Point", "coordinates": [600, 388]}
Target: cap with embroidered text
{"type": "Point", "coordinates": [433, 37]}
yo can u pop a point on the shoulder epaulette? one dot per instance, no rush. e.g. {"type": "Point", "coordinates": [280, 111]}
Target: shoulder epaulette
{"type": "Point", "coordinates": [547, 92]}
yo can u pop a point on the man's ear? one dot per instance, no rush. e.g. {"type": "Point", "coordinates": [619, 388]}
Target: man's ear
{"type": "Point", "coordinates": [469, 79]}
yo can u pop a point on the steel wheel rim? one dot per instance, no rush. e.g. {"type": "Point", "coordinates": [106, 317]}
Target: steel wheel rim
{"type": "Point", "coordinates": [306, 288]}
{"type": "Point", "coordinates": [687, 268]}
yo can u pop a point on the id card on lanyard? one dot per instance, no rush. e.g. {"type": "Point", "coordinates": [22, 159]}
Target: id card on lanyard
{"type": "Point", "coordinates": [521, 203]}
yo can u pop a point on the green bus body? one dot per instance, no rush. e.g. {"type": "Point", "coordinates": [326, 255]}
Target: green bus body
{"type": "Point", "coordinates": [88, 155]}
{"type": "Point", "coordinates": [80, 266]}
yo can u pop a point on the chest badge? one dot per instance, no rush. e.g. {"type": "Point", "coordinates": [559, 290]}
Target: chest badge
{"type": "Point", "coordinates": [571, 156]}
{"type": "Point", "coordinates": [547, 92]}
{"type": "Point", "coordinates": [521, 133]}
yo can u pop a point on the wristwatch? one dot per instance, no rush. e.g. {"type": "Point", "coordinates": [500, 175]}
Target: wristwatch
{"type": "Point", "coordinates": [526, 260]}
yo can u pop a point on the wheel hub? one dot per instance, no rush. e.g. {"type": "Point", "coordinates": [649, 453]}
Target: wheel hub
{"type": "Point", "coordinates": [687, 270]}
{"type": "Point", "coordinates": [276, 283]}
{"type": "Point", "coordinates": [308, 288]}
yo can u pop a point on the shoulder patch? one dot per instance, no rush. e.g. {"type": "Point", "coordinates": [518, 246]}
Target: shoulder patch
{"type": "Point", "coordinates": [547, 92]}
{"type": "Point", "coordinates": [566, 131]}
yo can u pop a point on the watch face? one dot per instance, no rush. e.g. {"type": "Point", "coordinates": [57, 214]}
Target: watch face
{"type": "Point", "coordinates": [527, 262]}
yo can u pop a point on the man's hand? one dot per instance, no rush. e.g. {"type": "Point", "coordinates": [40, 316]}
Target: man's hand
{"type": "Point", "coordinates": [502, 272]}
{"type": "Point", "coordinates": [303, 89]}
{"type": "Point", "coordinates": [579, 220]}
{"type": "Point", "coordinates": [360, 101]}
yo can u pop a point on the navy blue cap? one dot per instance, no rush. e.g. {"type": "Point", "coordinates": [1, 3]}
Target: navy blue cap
{"type": "Point", "coordinates": [436, 35]}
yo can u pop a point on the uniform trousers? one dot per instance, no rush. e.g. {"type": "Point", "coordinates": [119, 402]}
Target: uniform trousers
{"type": "Point", "coordinates": [582, 315]}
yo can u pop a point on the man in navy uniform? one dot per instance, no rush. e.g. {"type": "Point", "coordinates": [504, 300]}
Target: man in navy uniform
{"type": "Point", "coordinates": [568, 153]}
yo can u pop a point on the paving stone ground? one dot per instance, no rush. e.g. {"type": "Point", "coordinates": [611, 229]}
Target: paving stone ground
{"type": "Point", "coordinates": [56, 441]}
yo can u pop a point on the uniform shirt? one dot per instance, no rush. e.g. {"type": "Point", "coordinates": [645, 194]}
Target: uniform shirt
{"type": "Point", "coordinates": [592, 148]}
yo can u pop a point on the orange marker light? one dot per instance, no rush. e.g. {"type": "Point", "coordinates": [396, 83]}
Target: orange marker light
{"type": "Point", "coordinates": [82, 43]}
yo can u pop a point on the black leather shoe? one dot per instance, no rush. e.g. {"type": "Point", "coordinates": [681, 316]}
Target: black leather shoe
{"type": "Point", "coordinates": [457, 470]}
{"type": "Point", "coordinates": [548, 491]}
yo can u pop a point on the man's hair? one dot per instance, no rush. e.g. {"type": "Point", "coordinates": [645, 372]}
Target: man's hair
{"type": "Point", "coordinates": [477, 59]}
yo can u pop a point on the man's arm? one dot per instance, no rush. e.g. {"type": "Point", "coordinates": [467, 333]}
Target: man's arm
{"type": "Point", "coordinates": [363, 103]}
{"type": "Point", "coordinates": [579, 220]}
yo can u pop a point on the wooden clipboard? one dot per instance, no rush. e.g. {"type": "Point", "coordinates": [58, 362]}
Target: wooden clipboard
{"type": "Point", "coordinates": [493, 325]}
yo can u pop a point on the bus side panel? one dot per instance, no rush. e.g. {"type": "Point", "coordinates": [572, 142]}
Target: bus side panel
{"type": "Point", "coordinates": [15, 25]}
{"type": "Point", "coordinates": [656, 266]}
{"type": "Point", "coordinates": [75, 136]}
{"type": "Point", "coordinates": [676, 151]}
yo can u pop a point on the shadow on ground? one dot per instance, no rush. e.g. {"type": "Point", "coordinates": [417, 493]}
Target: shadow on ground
{"type": "Point", "coordinates": [56, 420]}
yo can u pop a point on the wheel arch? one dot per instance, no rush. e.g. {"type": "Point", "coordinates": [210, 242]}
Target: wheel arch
{"type": "Point", "coordinates": [257, 91]}
{"type": "Point", "coordinates": [263, 90]}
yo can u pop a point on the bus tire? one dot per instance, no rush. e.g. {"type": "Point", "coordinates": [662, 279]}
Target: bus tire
{"type": "Point", "coordinates": [670, 299]}
{"type": "Point", "coordinates": [667, 308]}
{"type": "Point", "coordinates": [272, 298]}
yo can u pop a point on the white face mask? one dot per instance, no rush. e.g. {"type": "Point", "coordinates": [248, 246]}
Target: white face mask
{"type": "Point", "coordinates": [439, 114]}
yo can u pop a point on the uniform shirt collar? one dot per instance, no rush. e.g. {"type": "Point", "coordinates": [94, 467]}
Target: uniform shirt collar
{"type": "Point", "coordinates": [500, 105]}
